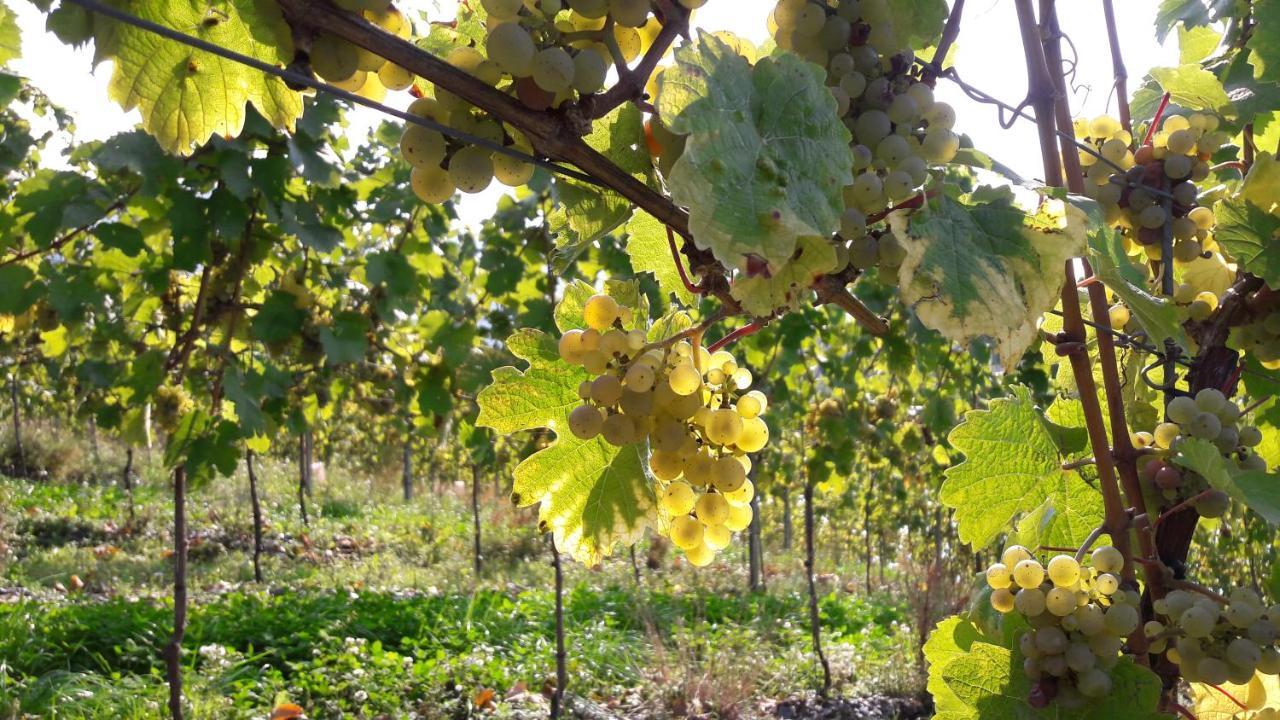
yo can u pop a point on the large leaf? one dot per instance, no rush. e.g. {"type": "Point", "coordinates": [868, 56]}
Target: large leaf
{"type": "Point", "coordinates": [1011, 468]}
{"type": "Point", "coordinates": [1257, 490]}
{"type": "Point", "coordinates": [650, 251]}
{"type": "Point", "coordinates": [1264, 40]}
{"type": "Point", "coordinates": [1158, 316]}
{"type": "Point", "coordinates": [787, 287]}
{"type": "Point", "coordinates": [1250, 234]}
{"type": "Point", "coordinates": [1192, 13]}
{"type": "Point", "coordinates": [186, 95]}
{"type": "Point", "coordinates": [987, 268]}
{"type": "Point", "coordinates": [1197, 43]}
{"type": "Point", "coordinates": [766, 155]}
{"type": "Point", "coordinates": [951, 639]}
{"type": "Point", "coordinates": [1221, 702]}
{"type": "Point", "coordinates": [922, 19]}
{"type": "Point", "coordinates": [10, 36]}
{"type": "Point", "coordinates": [592, 494]}
{"type": "Point", "coordinates": [1193, 87]}
{"type": "Point", "coordinates": [585, 213]}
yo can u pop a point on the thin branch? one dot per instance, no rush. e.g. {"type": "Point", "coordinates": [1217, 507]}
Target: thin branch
{"type": "Point", "coordinates": [949, 34]}
{"type": "Point", "coordinates": [1050, 40]}
{"type": "Point", "coordinates": [1155, 119]}
{"type": "Point", "coordinates": [1089, 541]}
{"type": "Point", "coordinates": [1121, 82]}
{"type": "Point", "coordinates": [631, 85]}
{"type": "Point", "coordinates": [57, 244]}
{"type": "Point", "coordinates": [749, 329]}
{"type": "Point", "coordinates": [675, 257]}
{"type": "Point", "coordinates": [1040, 91]}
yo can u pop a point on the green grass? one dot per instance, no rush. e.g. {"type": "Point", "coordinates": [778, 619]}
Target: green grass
{"type": "Point", "coordinates": [375, 610]}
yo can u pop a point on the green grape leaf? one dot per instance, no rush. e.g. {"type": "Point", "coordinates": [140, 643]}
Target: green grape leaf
{"type": "Point", "coordinates": [1196, 43]}
{"type": "Point", "coordinates": [1264, 41]}
{"type": "Point", "coordinates": [1191, 12]}
{"type": "Point", "coordinates": [1249, 234]}
{"type": "Point", "coordinates": [344, 341]}
{"type": "Point", "coordinates": [950, 639]}
{"type": "Point", "coordinates": [187, 95]}
{"type": "Point", "coordinates": [1257, 490]}
{"type": "Point", "coordinates": [650, 252]}
{"type": "Point", "coordinates": [1065, 421]}
{"type": "Point", "coordinates": [766, 155]}
{"type": "Point", "coordinates": [1158, 316]}
{"type": "Point", "coordinates": [1194, 88]}
{"type": "Point", "coordinates": [585, 213]}
{"type": "Point", "coordinates": [1262, 185]}
{"type": "Point", "coordinates": [923, 19]}
{"type": "Point", "coordinates": [987, 268]}
{"type": "Point", "coordinates": [278, 319]}
{"type": "Point", "coordinates": [592, 495]}
{"type": "Point", "coordinates": [20, 289]}
{"type": "Point", "coordinates": [1012, 468]}
{"type": "Point", "coordinates": [10, 35]}
{"type": "Point", "coordinates": [789, 285]}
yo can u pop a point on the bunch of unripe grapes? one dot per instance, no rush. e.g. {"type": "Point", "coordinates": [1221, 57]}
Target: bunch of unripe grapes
{"type": "Point", "coordinates": [1079, 617]}
{"type": "Point", "coordinates": [692, 406]}
{"type": "Point", "coordinates": [1208, 415]}
{"type": "Point", "coordinates": [1157, 186]}
{"type": "Point", "coordinates": [1215, 643]}
{"type": "Point", "coordinates": [171, 404]}
{"type": "Point", "coordinates": [1260, 336]}
{"type": "Point", "coordinates": [354, 69]}
{"type": "Point", "coordinates": [898, 128]}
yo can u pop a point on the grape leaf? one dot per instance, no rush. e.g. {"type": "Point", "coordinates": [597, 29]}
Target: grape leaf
{"type": "Point", "coordinates": [950, 639]}
{"type": "Point", "coordinates": [1011, 468]}
{"type": "Point", "coordinates": [1213, 274]}
{"type": "Point", "coordinates": [1262, 185]}
{"type": "Point", "coordinates": [923, 19]}
{"type": "Point", "coordinates": [1194, 88]}
{"type": "Point", "coordinates": [766, 155]}
{"type": "Point", "coordinates": [1255, 489]}
{"type": "Point", "coordinates": [1158, 316]}
{"type": "Point", "coordinates": [650, 252]}
{"type": "Point", "coordinates": [1191, 12]}
{"type": "Point", "coordinates": [585, 213]}
{"type": "Point", "coordinates": [187, 95]}
{"type": "Point", "coordinates": [987, 268]}
{"type": "Point", "coordinates": [345, 341]}
{"type": "Point", "coordinates": [592, 494]}
{"type": "Point", "coordinates": [1196, 43]}
{"type": "Point", "coordinates": [1248, 233]}
{"type": "Point", "coordinates": [10, 35]}
{"type": "Point", "coordinates": [760, 295]}
{"type": "Point", "coordinates": [1264, 40]}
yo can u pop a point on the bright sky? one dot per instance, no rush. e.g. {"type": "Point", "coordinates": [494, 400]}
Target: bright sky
{"type": "Point", "coordinates": [988, 55]}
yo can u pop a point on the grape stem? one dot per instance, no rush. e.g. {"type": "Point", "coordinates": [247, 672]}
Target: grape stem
{"type": "Point", "coordinates": [1255, 405]}
{"type": "Point", "coordinates": [1230, 697]}
{"type": "Point", "coordinates": [1077, 464]}
{"type": "Point", "coordinates": [675, 256]}
{"type": "Point", "coordinates": [949, 34]}
{"type": "Point", "coordinates": [1198, 588]}
{"type": "Point", "coordinates": [1180, 506]}
{"type": "Point", "coordinates": [751, 329]}
{"type": "Point", "coordinates": [1089, 541]}
{"type": "Point", "coordinates": [1232, 165]}
{"type": "Point", "coordinates": [912, 203]}
{"type": "Point", "coordinates": [1155, 120]}
{"type": "Point", "coordinates": [695, 331]}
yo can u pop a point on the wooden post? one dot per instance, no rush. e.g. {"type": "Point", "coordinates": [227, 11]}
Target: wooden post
{"type": "Point", "coordinates": [173, 650]}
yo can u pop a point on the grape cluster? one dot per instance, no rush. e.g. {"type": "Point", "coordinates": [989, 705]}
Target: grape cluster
{"type": "Point", "coordinates": [1260, 336]}
{"type": "Point", "coordinates": [354, 69]}
{"type": "Point", "coordinates": [1215, 643]}
{"type": "Point", "coordinates": [1210, 416]}
{"type": "Point", "coordinates": [1079, 617]}
{"type": "Point", "coordinates": [692, 406]}
{"type": "Point", "coordinates": [898, 128]}
{"type": "Point", "coordinates": [539, 51]}
{"type": "Point", "coordinates": [170, 405]}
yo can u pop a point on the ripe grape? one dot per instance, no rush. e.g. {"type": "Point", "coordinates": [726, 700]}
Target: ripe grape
{"type": "Point", "coordinates": [1028, 574]}
{"type": "Point", "coordinates": [432, 184]}
{"type": "Point", "coordinates": [678, 499]}
{"type": "Point", "coordinates": [1063, 570]}
{"type": "Point", "coordinates": [1002, 600]}
{"type": "Point", "coordinates": [727, 474]}
{"type": "Point", "coordinates": [619, 429]}
{"type": "Point", "coordinates": [1030, 602]}
{"type": "Point", "coordinates": [553, 70]}
{"type": "Point", "coordinates": [739, 517]}
{"type": "Point", "coordinates": [599, 312]}
{"type": "Point", "coordinates": [1107, 559]}
{"type": "Point", "coordinates": [686, 532]}
{"type": "Point", "coordinates": [685, 379]}
{"type": "Point", "coordinates": [998, 576]}
{"type": "Point", "coordinates": [1060, 601]}
{"type": "Point", "coordinates": [471, 169]}
{"type": "Point", "coordinates": [712, 509]}
{"type": "Point", "coordinates": [585, 422]}
{"type": "Point", "coordinates": [510, 46]}
{"type": "Point", "coordinates": [1014, 554]}
{"type": "Point", "coordinates": [700, 555]}
{"type": "Point", "coordinates": [589, 71]}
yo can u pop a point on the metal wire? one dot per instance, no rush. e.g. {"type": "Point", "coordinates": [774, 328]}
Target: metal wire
{"type": "Point", "coordinates": [297, 78]}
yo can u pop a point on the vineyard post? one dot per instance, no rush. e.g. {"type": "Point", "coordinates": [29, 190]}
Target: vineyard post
{"type": "Point", "coordinates": [127, 479]}
{"type": "Point", "coordinates": [562, 671]}
{"type": "Point", "coordinates": [17, 423]}
{"type": "Point", "coordinates": [755, 548]}
{"type": "Point", "coordinates": [406, 463]}
{"type": "Point", "coordinates": [304, 480]}
{"type": "Point", "coordinates": [475, 516]}
{"type": "Point", "coordinates": [815, 627]}
{"type": "Point", "coordinates": [173, 650]}
{"type": "Point", "coordinates": [786, 517]}
{"type": "Point", "coordinates": [256, 507]}
{"type": "Point", "coordinates": [93, 447]}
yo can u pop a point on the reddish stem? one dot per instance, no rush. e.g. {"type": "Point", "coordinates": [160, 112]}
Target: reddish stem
{"type": "Point", "coordinates": [1155, 121]}
{"type": "Point", "coordinates": [1231, 381]}
{"type": "Point", "coordinates": [675, 255]}
{"type": "Point", "coordinates": [1180, 506]}
{"type": "Point", "coordinates": [750, 329]}
{"type": "Point", "coordinates": [911, 203]}
{"type": "Point", "coordinates": [1230, 697]}
{"type": "Point", "coordinates": [1182, 711]}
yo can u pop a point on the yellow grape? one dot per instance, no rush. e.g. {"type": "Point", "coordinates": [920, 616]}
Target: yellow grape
{"type": "Point", "coordinates": [1014, 554]}
{"type": "Point", "coordinates": [510, 171]}
{"type": "Point", "coordinates": [752, 404]}
{"type": "Point", "coordinates": [998, 576]}
{"type": "Point", "coordinates": [606, 390]}
{"type": "Point", "coordinates": [1060, 601]}
{"type": "Point", "coordinates": [697, 469]}
{"type": "Point", "coordinates": [422, 147]}
{"type": "Point", "coordinates": [717, 537]}
{"type": "Point", "coordinates": [739, 517]}
{"type": "Point", "coordinates": [727, 474]}
{"type": "Point", "coordinates": [471, 169]}
{"type": "Point", "coordinates": [639, 378]}
{"type": "Point", "coordinates": [1002, 600]}
{"type": "Point", "coordinates": [755, 435]}
{"type": "Point", "coordinates": [599, 312]}
{"type": "Point", "coordinates": [431, 184]}
{"type": "Point", "coordinates": [678, 499]}
{"type": "Point", "coordinates": [1064, 570]}
{"type": "Point", "coordinates": [712, 509]}
{"type": "Point", "coordinates": [741, 496]}
{"type": "Point", "coordinates": [1028, 574]}
{"type": "Point", "coordinates": [685, 379]}
{"type": "Point", "coordinates": [666, 465]}
{"type": "Point", "coordinates": [1107, 559]}
{"type": "Point", "coordinates": [686, 532]}
{"type": "Point", "coordinates": [700, 555]}
{"type": "Point", "coordinates": [724, 427]}
{"type": "Point", "coordinates": [585, 422]}
{"type": "Point", "coordinates": [394, 77]}
{"type": "Point", "coordinates": [619, 429]}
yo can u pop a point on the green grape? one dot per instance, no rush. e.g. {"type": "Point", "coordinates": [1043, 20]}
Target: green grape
{"type": "Point", "coordinates": [1205, 426]}
{"type": "Point", "coordinates": [1121, 619]}
{"type": "Point", "coordinates": [1060, 601]}
{"type": "Point", "coordinates": [754, 403]}
{"type": "Point", "coordinates": [502, 9]}
{"type": "Point", "coordinates": [1210, 400]}
{"type": "Point", "coordinates": [1105, 646]}
{"type": "Point", "coordinates": [639, 378]}
{"type": "Point", "coordinates": [1196, 622]}
{"type": "Point", "coordinates": [1107, 559]}
{"type": "Point", "coordinates": [1094, 683]}
{"type": "Point", "coordinates": [666, 465]}
{"type": "Point", "coordinates": [585, 422]}
{"type": "Point", "coordinates": [629, 13]}
{"type": "Point", "coordinates": [1269, 663]}
{"type": "Point", "coordinates": [712, 509]}
{"type": "Point", "coordinates": [1214, 504]}
{"type": "Point", "coordinates": [1250, 436]}
{"type": "Point", "coordinates": [1002, 600]}
{"type": "Point", "coordinates": [998, 576]}
{"type": "Point", "coordinates": [1212, 671]}
{"type": "Point", "coordinates": [333, 58]}
{"type": "Point", "coordinates": [606, 390]}
{"type": "Point", "coordinates": [510, 171]}
{"type": "Point", "coordinates": [724, 427]}
{"type": "Point", "coordinates": [1050, 640]}
{"type": "Point", "coordinates": [394, 77]}
{"type": "Point", "coordinates": [510, 46]}
{"type": "Point", "coordinates": [872, 127]}
{"type": "Point", "coordinates": [727, 474]}
{"type": "Point", "coordinates": [1089, 619]}
{"type": "Point", "coordinates": [432, 184]}
{"type": "Point", "coordinates": [1182, 410]}
{"type": "Point", "coordinates": [940, 145]}
{"type": "Point", "coordinates": [1166, 434]}
{"type": "Point", "coordinates": [685, 379]}
{"type": "Point", "coordinates": [589, 71]}
{"type": "Point", "coordinates": [1014, 554]}
{"type": "Point", "coordinates": [1063, 570]}
{"type": "Point", "coordinates": [1107, 584]}
{"type": "Point", "coordinates": [739, 517]}
{"type": "Point", "coordinates": [686, 532]}
{"type": "Point", "coordinates": [570, 346]}
{"type": "Point", "coordinates": [423, 147]}
{"type": "Point", "coordinates": [741, 378]}
{"type": "Point", "coordinates": [678, 499]}
{"type": "Point", "coordinates": [619, 429]}
{"type": "Point", "coordinates": [471, 169]}
{"type": "Point", "coordinates": [1030, 602]}
{"type": "Point", "coordinates": [1244, 653]}
{"type": "Point", "coordinates": [592, 9]}
{"type": "Point", "coordinates": [754, 436]}
{"type": "Point", "coordinates": [599, 312]}
{"type": "Point", "coordinates": [553, 70]}
{"type": "Point", "coordinates": [1028, 574]}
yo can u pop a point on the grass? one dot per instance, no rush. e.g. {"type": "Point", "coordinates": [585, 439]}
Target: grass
{"type": "Point", "coordinates": [375, 611]}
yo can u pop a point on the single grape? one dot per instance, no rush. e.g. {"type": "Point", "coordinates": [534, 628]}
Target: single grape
{"type": "Point", "coordinates": [619, 429]}
{"type": "Point", "coordinates": [712, 509]}
{"type": "Point", "coordinates": [724, 427]}
{"type": "Point", "coordinates": [686, 532]}
{"type": "Point", "coordinates": [1051, 640]}
{"type": "Point", "coordinates": [754, 435]}
{"type": "Point", "coordinates": [1029, 602]}
{"type": "Point", "coordinates": [1028, 574]}
{"type": "Point", "coordinates": [585, 422]}
{"type": "Point", "coordinates": [471, 168]}
{"type": "Point", "coordinates": [685, 379]}
{"type": "Point", "coordinates": [1107, 584]}
{"type": "Point", "coordinates": [1196, 622]}
{"type": "Point", "coordinates": [1060, 601]}
{"type": "Point", "coordinates": [1002, 600]}
{"type": "Point", "coordinates": [1182, 409]}
{"type": "Point", "coordinates": [1014, 554]}
{"type": "Point", "coordinates": [1094, 683]}
{"type": "Point", "coordinates": [1214, 504]}
{"type": "Point", "coordinates": [739, 516]}
{"type": "Point", "coordinates": [727, 474]}
{"type": "Point", "coordinates": [1063, 570]}
{"type": "Point", "coordinates": [998, 576]}
{"type": "Point", "coordinates": [1107, 559]}
{"type": "Point", "coordinates": [589, 71]}
{"type": "Point", "coordinates": [599, 312]}
{"type": "Point", "coordinates": [717, 537]}
{"type": "Point", "coordinates": [553, 70]}
{"type": "Point", "coordinates": [666, 465]}
{"type": "Point", "coordinates": [678, 499]}
{"type": "Point", "coordinates": [1121, 620]}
